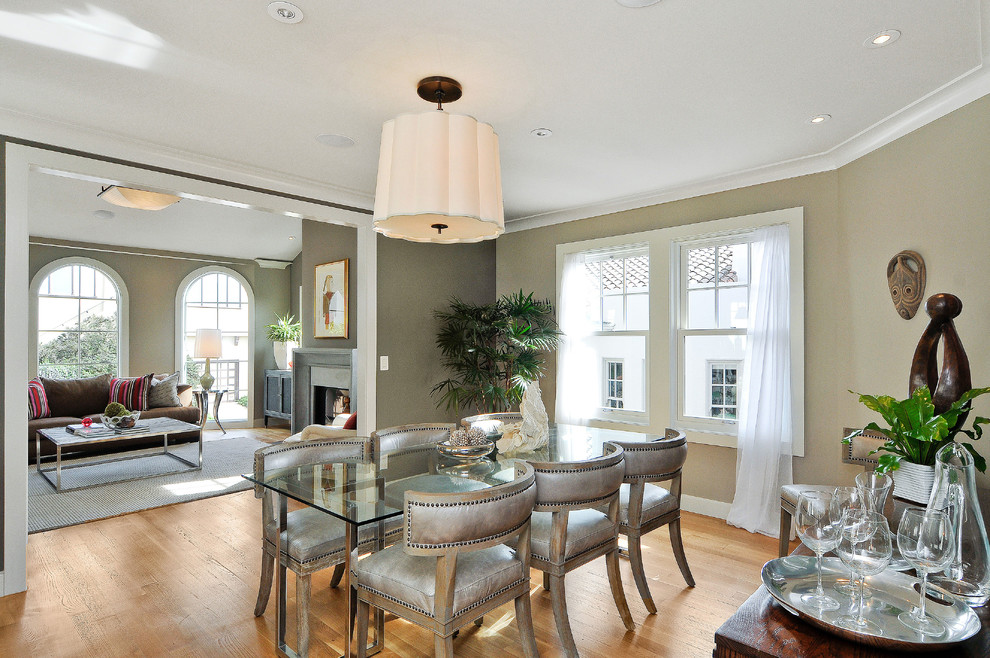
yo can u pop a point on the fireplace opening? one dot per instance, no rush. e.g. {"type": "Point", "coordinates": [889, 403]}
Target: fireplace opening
{"type": "Point", "coordinates": [330, 402]}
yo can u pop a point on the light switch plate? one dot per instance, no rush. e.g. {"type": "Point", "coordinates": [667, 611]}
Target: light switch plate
{"type": "Point", "coordinates": [383, 363]}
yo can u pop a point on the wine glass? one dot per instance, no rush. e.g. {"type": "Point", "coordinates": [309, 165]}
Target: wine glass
{"type": "Point", "coordinates": [819, 532]}
{"type": "Point", "coordinates": [874, 487]}
{"type": "Point", "coordinates": [864, 546]}
{"type": "Point", "coordinates": [844, 498]}
{"type": "Point", "coordinates": [925, 539]}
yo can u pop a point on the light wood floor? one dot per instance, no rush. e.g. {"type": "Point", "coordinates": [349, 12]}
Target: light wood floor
{"type": "Point", "coordinates": [182, 581]}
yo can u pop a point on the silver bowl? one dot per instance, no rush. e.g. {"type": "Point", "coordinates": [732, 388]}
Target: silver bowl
{"type": "Point", "coordinates": [465, 453]}
{"type": "Point", "coordinates": [122, 422]}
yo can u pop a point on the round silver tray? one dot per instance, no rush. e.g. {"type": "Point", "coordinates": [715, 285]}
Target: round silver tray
{"type": "Point", "coordinates": [788, 578]}
{"type": "Point", "coordinates": [465, 453]}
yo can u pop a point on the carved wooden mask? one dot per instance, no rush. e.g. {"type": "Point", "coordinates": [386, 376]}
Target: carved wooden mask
{"type": "Point", "coordinates": [906, 279]}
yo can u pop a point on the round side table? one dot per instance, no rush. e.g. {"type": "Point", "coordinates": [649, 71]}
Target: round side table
{"type": "Point", "coordinates": [203, 402]}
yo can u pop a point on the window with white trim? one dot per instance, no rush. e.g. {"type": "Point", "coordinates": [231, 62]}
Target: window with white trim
{"type": "Point", "coordinates": [620, 315]}
{"type": "Point", "coordinates": [79, 322]}
{"type": "Point", "coordinates": [713, 277]}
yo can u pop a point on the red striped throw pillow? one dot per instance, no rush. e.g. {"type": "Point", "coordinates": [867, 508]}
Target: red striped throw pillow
{"type": "Point", "coordinates": [37, 400]}
{"type": "Point", "coordinates": [132, 392]}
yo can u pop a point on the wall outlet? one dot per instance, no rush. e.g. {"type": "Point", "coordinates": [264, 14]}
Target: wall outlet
{"type": "Point", "coordinates": [383, 363]}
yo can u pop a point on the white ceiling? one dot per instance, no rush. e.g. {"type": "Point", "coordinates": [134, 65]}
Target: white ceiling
{"type": "Point", "coordinates": [62, 207]}
{"type": "Point", "coordinates": [640, 101]}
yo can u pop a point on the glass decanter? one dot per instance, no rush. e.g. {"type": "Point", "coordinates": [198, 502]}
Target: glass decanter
{"type": "Point", "coordinates": [968, 575]}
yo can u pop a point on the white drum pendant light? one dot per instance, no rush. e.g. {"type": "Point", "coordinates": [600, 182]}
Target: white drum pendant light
{"type": "Point", "coordinates": [438, 174]}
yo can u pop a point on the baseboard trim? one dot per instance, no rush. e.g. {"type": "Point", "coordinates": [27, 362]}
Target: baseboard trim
{"type": "Point", "coordinates": [705, 506]}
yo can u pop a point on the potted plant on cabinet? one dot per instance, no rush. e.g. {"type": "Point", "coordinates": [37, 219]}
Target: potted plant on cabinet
{"type": "Point", "coordinates": [493, 350]}
{"type": "Point", "coordinates": [914, 435]}
{"type": "Point", "coordinates": [284, 333]}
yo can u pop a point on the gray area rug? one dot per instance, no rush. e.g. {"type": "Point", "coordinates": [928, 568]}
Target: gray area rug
{"type": "Point", "coordinates": [223, 462]}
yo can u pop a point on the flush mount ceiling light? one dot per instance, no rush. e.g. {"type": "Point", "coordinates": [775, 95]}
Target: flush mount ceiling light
{"type": "Point", "coordinates": [635, 4]}
{"type": "Point", "coordinates": [820, 118]}
{"type": "Point", "coordinates": [285, 12]}
{"type": "Point", "coordinates": [881, 39]}
{"type": "Point", "coordinates": [128, 197]}
{"type": "Point", "coordinates": [438, 174]}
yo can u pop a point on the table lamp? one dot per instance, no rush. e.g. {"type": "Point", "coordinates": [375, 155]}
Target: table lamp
{"type": "Point", "coordinates": [208, 346]}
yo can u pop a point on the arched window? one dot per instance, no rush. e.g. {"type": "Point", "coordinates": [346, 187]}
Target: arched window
{"type": "Point", "coordinates": [218, 298]}
{"type": "Point", "coordinates": [80, 319]}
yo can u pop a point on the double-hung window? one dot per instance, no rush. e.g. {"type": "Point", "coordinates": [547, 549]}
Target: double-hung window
{"type": "Point", "coordinates": [620, 314]}
{"type": "Point", "coordinates": [712, 304]}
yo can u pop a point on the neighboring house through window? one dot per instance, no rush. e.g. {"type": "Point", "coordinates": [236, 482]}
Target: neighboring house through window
{"type": "Point", "coordinates": [80, 319]}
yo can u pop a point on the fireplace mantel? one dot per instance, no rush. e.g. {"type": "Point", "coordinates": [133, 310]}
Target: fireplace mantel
{"type": "Point", "coordinates": [319, 366]}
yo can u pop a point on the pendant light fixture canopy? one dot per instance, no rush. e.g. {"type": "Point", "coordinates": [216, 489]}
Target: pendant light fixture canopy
{"type": "Point", "coordinates": [438, 174]}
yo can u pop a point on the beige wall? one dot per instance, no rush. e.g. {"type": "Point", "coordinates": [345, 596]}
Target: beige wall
{"type": "Point", "coordinates": [929, 191]}
{"type": "Point", "coordinates": [152, 284]}
{"type": "Point", "coordinates": [414, 280]}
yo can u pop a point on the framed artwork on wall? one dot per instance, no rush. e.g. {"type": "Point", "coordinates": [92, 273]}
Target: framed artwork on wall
{"type": "Point", "coordinates": [330, 300]}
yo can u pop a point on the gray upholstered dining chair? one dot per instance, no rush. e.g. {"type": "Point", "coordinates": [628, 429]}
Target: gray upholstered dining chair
{"type": "Point", "coordinates": [316, 539]}
{"type": "Point", "coordinates": [407, 436]}
{"type": "Point", "coordinates": [644, 507]}
{"type": "Point", "coordinates": [453, 566]}
{"type": "Point", "coordinates": [856, 452]}
{"type": "Point", "coordinates": [569, 528]}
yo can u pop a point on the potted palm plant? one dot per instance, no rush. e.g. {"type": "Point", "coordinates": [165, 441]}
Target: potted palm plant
{"type": "Point", "coordinates": [493, 350]}
{"type": "Point", "coordinates": [914, 435]}
{"type": "Point", "coordinates": [284, 333]}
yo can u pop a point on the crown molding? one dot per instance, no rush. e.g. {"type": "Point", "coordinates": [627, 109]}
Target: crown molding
{"type": "Point", "coordinates": [63, 134]}
{"type": "Point", "coordinates": [959, 92]}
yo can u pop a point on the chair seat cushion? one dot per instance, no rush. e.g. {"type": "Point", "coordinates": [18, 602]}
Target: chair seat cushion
{"type": "Point", "coordinates": [657, 501]}
{"type": "Point", "coordinates": [586, 530]}
{"type": "Point", "coordinates": [411, 579]}
{"type": "Point", "coordinates": [314, 535]}
{"type": "Point", "coordinates": [789, 492]}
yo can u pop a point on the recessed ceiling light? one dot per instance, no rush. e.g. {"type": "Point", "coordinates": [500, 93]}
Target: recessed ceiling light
{"type": "Point", "coordinates": [292, 237]}
{"type": "Point", "coordinates": [285, 12]}
{"type": "Point", "coordinates": [339, 141]}
{"type": "Point", "coordinates": [820, 118]}
{"type": "Point", "coordinates": [637, 3]}
{"type": "Point", "coordinates": [541, 132]}
{"type": "Point", "coordinates": [103, 214]}
{"type": "Point", "coordinates": [881, 39]}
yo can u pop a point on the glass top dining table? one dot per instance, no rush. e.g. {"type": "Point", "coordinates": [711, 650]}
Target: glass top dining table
{"type": "Point", "coordinates": [365, 491]}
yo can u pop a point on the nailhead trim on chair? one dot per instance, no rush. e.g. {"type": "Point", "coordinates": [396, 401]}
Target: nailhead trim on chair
{"type": "Point", "coordinates": [430, 614]}
{"type": "Point", "coordinates": [653, 475]}
{"type": "Point", "coordinates": [570, 503]}
{"type": "Point", "coordinates": [579, 470]}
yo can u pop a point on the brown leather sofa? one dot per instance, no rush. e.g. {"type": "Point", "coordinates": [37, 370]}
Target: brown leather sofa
{"type": "Point", "coordinates": [71, 400]}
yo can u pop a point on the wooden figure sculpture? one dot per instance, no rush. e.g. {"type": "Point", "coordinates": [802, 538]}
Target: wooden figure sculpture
{"type": "Point", "coordinates": [954, 380]}
{"type": "Point", "coordinates": [906, 279]}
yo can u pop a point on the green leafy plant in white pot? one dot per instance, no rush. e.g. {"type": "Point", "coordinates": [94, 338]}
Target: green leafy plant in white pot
{"type": "Point", "coordinates": [285, 334]}
{"type": "Point", "coordinates": [915, 434]}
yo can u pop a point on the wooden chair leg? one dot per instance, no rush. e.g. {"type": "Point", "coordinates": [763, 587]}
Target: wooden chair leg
{"type": "Point", "coordinates": [363, 610]}
{"type": "Point", "coordinates": [678, 546]}
{"type": "Point", "coordinates": [615, 582]}
{"type": "Point", "coordinates": [524, 621]}
{"type": "Point", "coordinates": [443, 647]}
{"type": "Point", "coordinates": [267, 577]}
{"type": "Point", "coordinates": [302, 613]}
{"type": "Point", "coordinates": [479, 621]}
{"type": "Point", "coordinates": [546, 581]}
{"type": "Point", "coordinates": [639, 575]}
{"type": "Point", "coordinates": [338, 573]}
{"type": "Point", "coordinates": [784, 543]}
{"type": "Point", "coordinates": [559, 603]}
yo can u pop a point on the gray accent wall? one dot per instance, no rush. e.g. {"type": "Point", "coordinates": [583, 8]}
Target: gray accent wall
{"type": "Point", "coordinates": [152, 280]}
{"type": "Point", "coordinates": [928, 191]}
{"type": "Point", "coordinates": [325, 243]}
{"type": "Point", "coordinates": [414, 279]}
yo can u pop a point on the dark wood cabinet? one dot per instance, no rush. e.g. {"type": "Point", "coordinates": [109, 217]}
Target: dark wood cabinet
{"type": "Point", "coordinates": [278, 395]}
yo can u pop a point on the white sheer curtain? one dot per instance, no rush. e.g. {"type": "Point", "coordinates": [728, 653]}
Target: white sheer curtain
{"type": "Point", "coordinates": [576, 386]}
{"type": "Point", "coordinates": [763, 456]}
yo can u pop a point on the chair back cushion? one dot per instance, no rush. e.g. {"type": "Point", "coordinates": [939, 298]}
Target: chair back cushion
{"type": "Point", "coordinates": [285, 455]}
{"type": "Point", "coordinates": [435, 523]}
{"type": "Point", "coordinates": [405, 436]}
{"type": "Point", "coordinates": [575, 485]}
{"type": "Point", "coordinates": [653, 461]}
